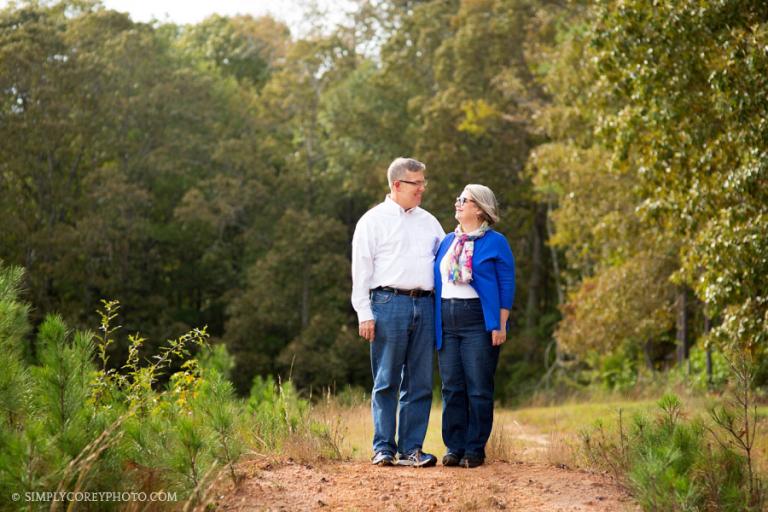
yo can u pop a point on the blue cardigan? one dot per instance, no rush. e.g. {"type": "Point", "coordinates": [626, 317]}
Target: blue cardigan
{"type": "Point", "coordinates": [493, 278]}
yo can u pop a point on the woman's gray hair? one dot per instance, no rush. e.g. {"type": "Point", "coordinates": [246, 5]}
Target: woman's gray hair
{"type": "Point", "coordinates": [400, 166]}
{"type": "Point", "coordinates": [485, 199]}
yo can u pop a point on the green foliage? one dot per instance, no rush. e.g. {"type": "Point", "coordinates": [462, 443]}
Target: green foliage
{"type": "Point", "coordinates": [654, 157]}
{"type": "Point", "coordinates": [294, 291]}
{"type": "Point", "coordinates": [82, 427]}
{"type": "Point", "coordinates": [670, 462]}
{"type": "Point", "coordinates": [276, 409]}
{"type": "Point", "coordinates": [217, 360]}
{"type": "Point", "coordinates": [15, 388]}
{"type": "Point", "coordinates": [351, 396]}
{"type": "Point", "coordinates": [13, 314]}
{"type": "Point", "coordinates": [223, 414]}
{"type": "Point", "coordinates": [137, 127]}
{"type": "Point", "coordinates": [616, 370]}
{"type": "Point", "coordinates": [242, 46]}
{"type": "Point", "coordinates": [699, 379]}
{"type": "Point", "coordinates": [213, 175]}
{"type": "Point", "coordinates": [610, 308]}
{"type": "Point", "coordinates": [682, 127]}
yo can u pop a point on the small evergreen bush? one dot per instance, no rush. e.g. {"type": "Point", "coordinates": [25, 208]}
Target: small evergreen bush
{"type": "Point", "coordinates": [671, 463]}
{"type": "Point", "coordinates": [70, 421]}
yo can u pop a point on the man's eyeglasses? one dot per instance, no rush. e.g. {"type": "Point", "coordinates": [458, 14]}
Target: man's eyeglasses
{"type": "Point", "coordinates": [463, 200]}
{"type": "Point", "coordinates": [415, 183]}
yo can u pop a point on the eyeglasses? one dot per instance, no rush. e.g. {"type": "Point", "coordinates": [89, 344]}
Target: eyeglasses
{"type": "Point", "coordinates": [463, 200]}
{"type": "Point", "coordinates": [415, 183]}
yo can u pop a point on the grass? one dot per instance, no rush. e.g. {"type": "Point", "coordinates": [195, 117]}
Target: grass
{"type": "Point", "coordinates": [551, 434]}
{"type": "Point", "coordinates": [538, 434]}
{"type": "Point", "coordinates": [574, 417]}
{"type": "Point", "coordinates": [356, 436]}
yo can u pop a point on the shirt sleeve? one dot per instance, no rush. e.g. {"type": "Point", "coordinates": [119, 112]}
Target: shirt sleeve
{"type": "Point", "coordinates": [505, 274]}
{"type": "Point", "coordinates": [363, 249]}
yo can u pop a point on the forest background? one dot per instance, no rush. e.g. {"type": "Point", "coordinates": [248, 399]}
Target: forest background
{"type": "Point", "coordinates": [212, 174]}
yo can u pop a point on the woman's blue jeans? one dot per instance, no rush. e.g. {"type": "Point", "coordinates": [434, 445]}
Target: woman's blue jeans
{"type": "Point", "coordinates": [401, 361]}
{"type": "Point", "coordinates": [467, 362]}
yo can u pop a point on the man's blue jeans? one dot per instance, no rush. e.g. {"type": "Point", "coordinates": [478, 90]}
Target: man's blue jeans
{"type": "Point", "coordinates": [467, 362]}
{"type": "Point", "coordinates": [401, 361]}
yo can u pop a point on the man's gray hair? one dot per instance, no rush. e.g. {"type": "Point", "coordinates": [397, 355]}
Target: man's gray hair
{"type": "Point", "coordinates": [400, 166]}
{"type": "Point", "coordinates": [485, 200]}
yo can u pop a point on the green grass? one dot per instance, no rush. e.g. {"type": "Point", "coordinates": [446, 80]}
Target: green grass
{"type": "Point", "coordinates": [571, 418]}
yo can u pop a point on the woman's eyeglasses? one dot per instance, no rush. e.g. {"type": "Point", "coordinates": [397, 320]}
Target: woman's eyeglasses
{"type": "Point", "coordinates": [463, 200]}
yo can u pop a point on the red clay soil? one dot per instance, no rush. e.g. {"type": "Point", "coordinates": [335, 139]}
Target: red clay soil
{"type": "Point", "coordinates": [359, 486]}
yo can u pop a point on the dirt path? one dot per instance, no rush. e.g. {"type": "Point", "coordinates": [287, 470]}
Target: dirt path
{"type": "Point", "coordinates": [359, 486]}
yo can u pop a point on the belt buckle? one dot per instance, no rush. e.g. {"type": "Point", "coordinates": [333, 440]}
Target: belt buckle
{"type": "Point", "coordinates": [413, 293]}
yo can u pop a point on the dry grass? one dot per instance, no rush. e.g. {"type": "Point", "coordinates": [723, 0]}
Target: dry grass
{"type": "Point", "coordinates": [502, 445]}
{"type": "Point", "coordinates": [358, 429]}
{"type": "Point", "coordinates": [535, 434]}
{"type": "Point", "coordinates": [511, 440]}
{"type": "Point", "coordinates": [562, 424]}
{"type": "Point", "coordinates": [352, 424]}
{"type": "Point", "coordinates": [761, 444]}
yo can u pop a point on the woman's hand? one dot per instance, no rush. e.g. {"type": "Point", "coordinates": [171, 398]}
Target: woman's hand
{"type": "Point", "coordinates": [498, 337]}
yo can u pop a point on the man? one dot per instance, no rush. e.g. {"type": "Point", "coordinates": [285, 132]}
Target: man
{"type": "Point", "coordinates": [392, 291]}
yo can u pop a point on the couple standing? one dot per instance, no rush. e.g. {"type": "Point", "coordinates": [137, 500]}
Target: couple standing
{"type": "Point", "coordinates": [414, 289]}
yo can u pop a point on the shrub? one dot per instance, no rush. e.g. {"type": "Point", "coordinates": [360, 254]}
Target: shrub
{"type": "Point", "coordinates": [70, 421]}
{"type": "Point", "coordinates": [68, 425]}
{"type": "Point", "coordinates": [670, 462]}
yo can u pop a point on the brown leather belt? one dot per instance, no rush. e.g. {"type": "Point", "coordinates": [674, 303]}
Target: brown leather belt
{"type": "Point", "coordinates": [410, 293]}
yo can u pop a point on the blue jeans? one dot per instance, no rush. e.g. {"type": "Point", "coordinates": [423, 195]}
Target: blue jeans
{"type": "Point", "coordinates": [467, 364]}
{"type": "Point", "coordinates": [401, 361]}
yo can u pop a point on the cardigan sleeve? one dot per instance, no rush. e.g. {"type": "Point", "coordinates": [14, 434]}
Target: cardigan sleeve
{"type": "Point", "coordinates": [505, 273]}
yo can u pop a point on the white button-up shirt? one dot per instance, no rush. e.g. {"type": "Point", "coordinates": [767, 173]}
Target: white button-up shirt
{"type": "Point", "coordinates": [392, 247]}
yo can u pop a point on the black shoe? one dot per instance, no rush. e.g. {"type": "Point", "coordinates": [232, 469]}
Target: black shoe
{"type": "Point", "coordinates": [383, 459]}
{"type": "Point", "coordinates": [471, 461]}
{"type": "Point", "coordinates": [417, 459]}
{"type": "Point", "coordinates": [451, 459]}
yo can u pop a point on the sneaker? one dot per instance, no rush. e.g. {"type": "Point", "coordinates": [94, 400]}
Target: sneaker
{"type": "Point", "coordinates": [383, 459]}
{"type": "Point", "coordinates": [451, 459]}
{"type": "Point", "coordinates": [471, 461]}
{"type": "Point", "coordinates": [417, 459]}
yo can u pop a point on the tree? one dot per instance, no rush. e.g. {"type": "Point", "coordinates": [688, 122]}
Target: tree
{"type": "Point", "coordinates": [244, 47]}
{"type": "Point", "coordinates": [692, 79]}
{"type": "Point", "coordinates": [302, 280]}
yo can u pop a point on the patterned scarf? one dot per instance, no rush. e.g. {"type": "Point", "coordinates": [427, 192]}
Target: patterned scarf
{"type": "Point", "coordinates": [460, 266]}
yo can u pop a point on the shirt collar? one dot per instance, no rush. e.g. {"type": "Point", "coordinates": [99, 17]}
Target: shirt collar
{"type": "Point", "coordinates": [393, 207]}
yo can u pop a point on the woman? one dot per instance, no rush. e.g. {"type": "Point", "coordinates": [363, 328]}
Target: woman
{"type": "Point", "coordinates": [474, 289]}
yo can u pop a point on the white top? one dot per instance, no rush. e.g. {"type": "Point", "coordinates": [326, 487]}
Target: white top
{"type": "Point", "coordinates": [392, 247]}
{"type": "Point", "coordinates": [454, 290]}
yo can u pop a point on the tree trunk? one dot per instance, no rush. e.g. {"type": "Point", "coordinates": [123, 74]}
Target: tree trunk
{"type": "Point", "coordinates": [536, 278]}
{"type": "Point", "coordinates": [553, 254]}
{"type": "Point", "coordinates": [647, 354]}
{"type": "Point", "coordinates": [556, 272]}
{"type": "Point", "coordinates": [707, 328]}
{"type": "Point", "coordinates": [305, 299]}
{"type": "Point", "coordinates": [682, 326]}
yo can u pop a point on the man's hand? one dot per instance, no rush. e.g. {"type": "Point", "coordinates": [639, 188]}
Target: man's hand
{"type": "Point", "coordinates": [498, 337]}
{"type": "Point", "coordinates": [367, 329]}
